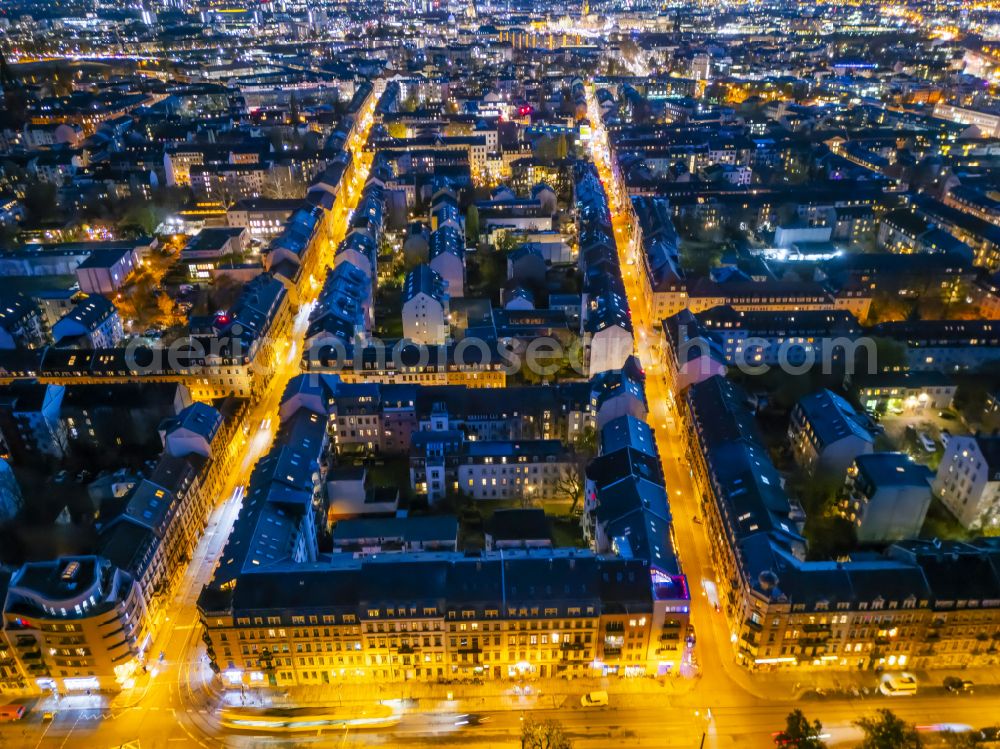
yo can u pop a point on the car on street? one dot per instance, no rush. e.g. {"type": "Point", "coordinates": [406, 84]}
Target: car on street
{"type": "Point", "coordinates": [471, 719]}
{"type": "Point", "coordinates": [958, 686]}
{"type": "Point", "coordinates": [898, 685]}
{"type": "Point", "coordinates": [594, 699]}
{"type": "Point", "coordinates": [11, 712]}
{"type": "Point", "coordinates": [988, 735]}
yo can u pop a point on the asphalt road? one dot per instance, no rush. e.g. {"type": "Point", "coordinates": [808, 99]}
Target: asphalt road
{"type": "Point", "coordinates": [674, 725]}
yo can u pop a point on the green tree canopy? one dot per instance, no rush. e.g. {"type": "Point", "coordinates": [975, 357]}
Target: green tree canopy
{"type": "Point", "coordinates": [472, 225]}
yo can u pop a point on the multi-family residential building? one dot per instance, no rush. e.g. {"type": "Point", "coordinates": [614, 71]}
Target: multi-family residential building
{"type": "Point", "coordinates": [443, 463]}
{"type": "Point", "coordinates": [886, 496]}
{"type": "Point", "coordinates": [499, 615]}
{"type": "Point", "coordinates": [105, 271]}
{"type": "Point", "coordinates": [803, 339]}
{"type": "Point", "coordinates": [911, 607]}
{"type": "Point", "coordinates": [827, 434]}
{"type": "Point", "coordinates": [20, 324]}
{"type": "Point", "coordinates": [446, 253]}
{"type": "Point", "coordinates": [30, 423]}
{"type": "Point", "coordinates": [701, 294]}
{"type": "Point", "coordinates": [690, 351]}
{"type": "Point", "coordinates": [968, 480]}
{"type": "Point", "coordinates": [425, 306]}
{"type": "Point", "coordinates": [74, 623]}
{"type": "Point", "coordinates": [93, 323]}
{"type": "Point", "coordinates": [914, 392]}
{"type": "Point", "coordinates": [263, 218]}
{"type": "Point", "coordinates": [945, 345]}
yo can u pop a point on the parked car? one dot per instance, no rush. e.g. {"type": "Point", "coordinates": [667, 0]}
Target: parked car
{"type": "Point", "coordinates": [898, 685]}
{"type": "Point", "coordinates": [594, 699]}
{"type": "Point", "coordinates": [14, 711]}
{"type": "Point", "coordinates": [945, 437]}
{"type": "Point", "coordinates": [926, 442]}
{"type": "Point", "coordinates": [990, 734]}
{"type": "Point", "coordinates": [958, 686]}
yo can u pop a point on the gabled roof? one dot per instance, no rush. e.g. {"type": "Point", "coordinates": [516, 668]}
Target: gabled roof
{"type": "Point", "coordinates": [831, 417]}
{"type": "Point", "coordinates": [199, 418]}
{"type": "Point", "coordinates": [425, 280]}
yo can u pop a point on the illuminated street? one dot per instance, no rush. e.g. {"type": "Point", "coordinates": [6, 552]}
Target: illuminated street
{"type": "Point", "coordinates": [179, 684]}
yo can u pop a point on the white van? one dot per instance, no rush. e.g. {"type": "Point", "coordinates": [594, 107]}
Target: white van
{"type": "Point", "coordinates": [594, 699]}
{"type": "Point", "coordinates": [898, 685]}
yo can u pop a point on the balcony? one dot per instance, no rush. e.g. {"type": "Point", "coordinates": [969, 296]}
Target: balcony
{"type": "Point", "coordinates": [816, 628]}
{"type": "Point", "coordinates": [818, 644]}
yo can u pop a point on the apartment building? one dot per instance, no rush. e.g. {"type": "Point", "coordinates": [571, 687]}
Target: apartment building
{"type": "Point", "coordinates": [922, 604]}
{"type": "Point", "coordinates": [968, 480]}
{"type": "Point", "coordinates": [826, 433]}
{"type": "Point", "coordinates": [516, 614]}
{"type": "Point", "coordinates": [445, 462]}
{"type": "Point", "coordinates": [425, 306]}
{"type": "Point", "coordinates": [74, 623]}
{"type": "Point", "coordinates": [886, 496]}
{"type": "Point", "coordinates": [798, 339]}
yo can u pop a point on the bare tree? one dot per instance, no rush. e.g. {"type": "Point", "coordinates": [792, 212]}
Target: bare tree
{"type": "Point", "coordinates": [544, 735]}
{"type": "Point", "coordinates": [570, 484]}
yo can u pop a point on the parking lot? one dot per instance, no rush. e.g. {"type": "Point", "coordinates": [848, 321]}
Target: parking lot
{"type": "Point", "coordinates": [903, 432]}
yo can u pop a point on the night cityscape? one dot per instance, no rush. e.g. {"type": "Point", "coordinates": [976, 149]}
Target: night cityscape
{"type": "Point", "coordinates": [541, 375]}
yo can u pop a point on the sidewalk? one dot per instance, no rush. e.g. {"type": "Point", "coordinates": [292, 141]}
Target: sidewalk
{"type": "Point", "coordinates": [547, 694]}
{"type": "Point", "coordinates": [540, 694]}
{"type": "Point", "coordinates": [450, 698]}
{"type": "Point", "coordinates": [796, 685]}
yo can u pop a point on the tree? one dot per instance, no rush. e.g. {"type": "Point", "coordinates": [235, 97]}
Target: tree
{"type": "Point", "coordinates": [886, 731]}
{"type": "Point", "coordinates": [889, 307]}
{"type": "Point", "coordinates": [965, 740]}
{"type": "Point", "coordinates": [142, 216]}
{"type": "Point", "coordinates": [544, 735]}
{"type": "Point", "coordinates": [40, 202]}
{"type": "Point", "coordinates": [472, 225]}
{"type": "Point", "coordinates": [890, 354]}
{"type": "Point", "coordinates": [586, 441]}
{"type": "Point", "coordinates": [800, 733]}
{"type": "Point", "coordinates": [570, 484]}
